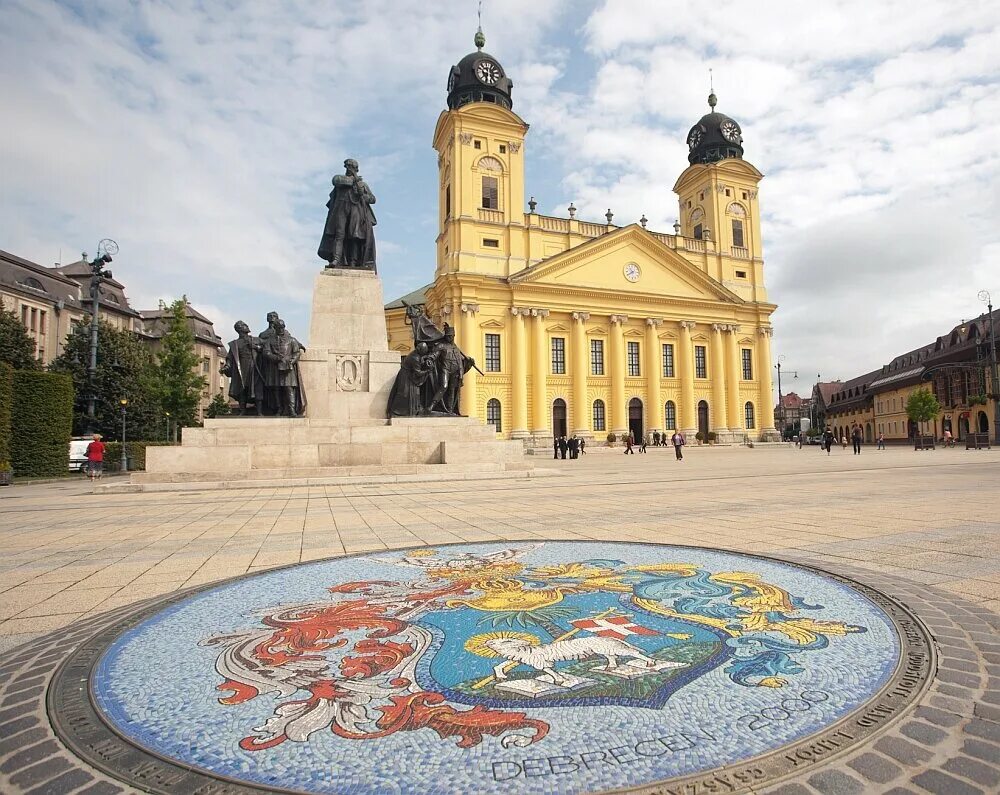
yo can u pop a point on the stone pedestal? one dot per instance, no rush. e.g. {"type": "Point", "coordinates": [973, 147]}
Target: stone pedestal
{"type": "Point", "coordinates": [347, 371]}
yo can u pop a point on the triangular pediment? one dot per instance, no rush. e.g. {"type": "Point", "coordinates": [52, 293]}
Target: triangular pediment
{"type": "Point", "coordinates": [601, 264]}
{"type": "Point", "coordinates": [491, 323]}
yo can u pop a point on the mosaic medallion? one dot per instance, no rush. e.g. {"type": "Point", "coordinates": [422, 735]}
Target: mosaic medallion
{"type": "Point", "coordinates": [494, 668]}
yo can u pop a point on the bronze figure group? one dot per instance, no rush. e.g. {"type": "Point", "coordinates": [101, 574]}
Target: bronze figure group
{"type": "Point", "coordinates": [264, 370]}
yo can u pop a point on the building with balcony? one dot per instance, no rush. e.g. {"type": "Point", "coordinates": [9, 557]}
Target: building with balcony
{"type": "Point", "coordinates": [584, 327]}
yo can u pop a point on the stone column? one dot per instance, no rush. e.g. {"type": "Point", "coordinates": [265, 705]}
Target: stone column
{"type": "Point", "coordinates": [619, 413]}
{"type": "Point", "coordinates": [765, 402]}
{"type": "Point", "coordinates": [580, 412]}
{"type": "Point", "coordinates": [688, 415]}
{"type": "Point", "coordinates": [518, 358]}
{"type": "Point", "coordinates": [469, 342]}
{"type": "Point", "coordinates": [733, 375]}
{"type": "Point", "coordinates": [654, 371]}
{"type": "Point", "coordinates": [718, 376]}
{"type": "Point", "coordinates": [539, 373]}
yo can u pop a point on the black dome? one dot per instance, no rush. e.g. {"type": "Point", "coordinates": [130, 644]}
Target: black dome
{"type": "Point", "coordinates": [478, 77]}
{"type": "Point", "coordinates": [715, 137]}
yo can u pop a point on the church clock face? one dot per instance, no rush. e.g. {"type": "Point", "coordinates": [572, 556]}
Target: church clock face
{"type": "Point", "coordinates": [731, 132]}
{"type": "Point", "coordinates": [694, 137]}
{"type": "Point", "coordinates": [632, 272]}
{"type": "Point", "coordinates": [487, 72]}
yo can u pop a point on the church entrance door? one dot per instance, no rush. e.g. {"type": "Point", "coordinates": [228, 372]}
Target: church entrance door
{"type": "Point", "coordinates": [559, 418]}
{"type": "Point", "coordinates": [703, 419]}
{"type": "Point", "coordinates": [635, 418]}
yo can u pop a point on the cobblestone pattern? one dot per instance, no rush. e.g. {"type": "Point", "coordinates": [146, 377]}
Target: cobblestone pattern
{"type": "Point", "coordinates": [948, 743]}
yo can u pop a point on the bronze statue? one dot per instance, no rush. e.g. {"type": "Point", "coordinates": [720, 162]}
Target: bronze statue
{"type": "Point", "coordinates": [451, 365]}
{"type": "Point", "coordinates": [269, 398]}
{"type": "Point", "coordinates": [282, 351]}
{"type": "Point", "coordinates": [348, 237]}
{"type": "Point", "coordinates": [246, 383]}
{"type": "Point", "coordinates": [407, 397]}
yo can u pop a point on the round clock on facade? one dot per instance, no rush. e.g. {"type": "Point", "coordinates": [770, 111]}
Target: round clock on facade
{"type": "Point", "coordinates": [452, 79]}
{"type": "Point", "coordinates": [694, 137]}
{"type": "Point", "coordinates": [632, 272]}
{"type": "Point", "coordinates": [487, 72]}
{"type": "Point", "coordinates": [731, 131]}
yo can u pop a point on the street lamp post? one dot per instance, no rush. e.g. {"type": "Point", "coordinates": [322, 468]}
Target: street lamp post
{"type": "Point", "coordinates": [781, 406]}
{"type": "Point", "coordinates": [124, 405]}
{"type": "Point", "coordinates": [984, 296]}
{"type": "Point", "coordinates": [167, 419]}
{"type": "Point", "coordinates": [105, 249]}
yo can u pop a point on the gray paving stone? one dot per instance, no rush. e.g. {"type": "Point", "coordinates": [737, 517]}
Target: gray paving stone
{"type": "Point", "coordinates": [923, 733]}
{"type": "Point", "coordinates": [938, 717]}
{"type": "Point", "coordinates": [21, 740]}
{"type": "Point", "coordinates": [11, 728]}
{"type": "Point", "coordinates": [903, 751]}
{"type": "Point", "coordinates": [982, 750]}
{"type": "Point", "coordinates": [102, 788]}
{"type": "Point", "coordinates": [43, 771]}
{"type": "Point", "coordinates": [972, 769]}
{"type": "Point", "coordinates": [29, 756]}
{"type": "Point", "coordinates": [992, 698]}
{"type": "Point", "coordinates": [899, 791]}
{"type": "Point", "coordinates": [17, 698]}
{"type": "Point", "coordinates": [986, 729]}
{"type": "Point", "coordinates": [956, 705]}
{"type": "Point", "coordinates": [835, 782]}
{"type": "Point", "coordinates": [64, 784]}
{"type": "Point", "coordinates": [942, 784]}
{"type": "Point", "coordinates": [25, 683]}
{"type": "Point", "coordinates": [959, 678]}
{"type": "Point", "coordinates": [16, 711]}
{"type": "Point", "coordinates": [952, 664]}
{"type": "Point", "coordinates": [987, 712]}
{"type": "Point", "coordinates": [875, 767]}
{"type": "Point", "coordinates": [790, 789]}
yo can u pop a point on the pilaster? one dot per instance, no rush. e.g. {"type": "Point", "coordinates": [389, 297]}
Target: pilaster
{"type": "Point", "coordinates": [718, 376]}
{"type": "Point", "coordinates": [470, 344]}
{"type": "Point", "coordinates": [580, 411]}
{"type": "Point", "coordinates": [654, 398]}
{"type": "Point", "coordinates": [539, 373]}
{"type": "Point", "coordinates": [518, 374]}
{"type": "Point", "coordinates": [765, 402]}
{"type": "Point", "coordinates": [688, 415]}
{"type": "Point", "coordinates": [733, 380]}
{"type": "Point", "coordinates": [619, 413]}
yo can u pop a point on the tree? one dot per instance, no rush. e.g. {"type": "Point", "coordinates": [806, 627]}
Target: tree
{"type": "Point", "coordinates": [17, 348]}
{"type": "Point", "coordinates": [922, 406]}
{"type": "Point", "coordinates": [179, 383]}
{"type": "Point", "coordinates": [219, 406]}
{"type": "Point", "coordinates": [125, 369]}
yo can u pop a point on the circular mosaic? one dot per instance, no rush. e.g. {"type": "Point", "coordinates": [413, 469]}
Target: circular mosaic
{"type": "Point", "coordinates": [497, 668]}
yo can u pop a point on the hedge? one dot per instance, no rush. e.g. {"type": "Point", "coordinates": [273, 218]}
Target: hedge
{"type": "Point", "coordinates": [6, 400]}
{"type": "Point", "coordinates": [135, 451]}
{"type": "Point", "coordinates": [41, 423]}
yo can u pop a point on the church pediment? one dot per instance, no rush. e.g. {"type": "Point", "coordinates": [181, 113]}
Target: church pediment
{"type": "Point", "coordinates": [628, 260]}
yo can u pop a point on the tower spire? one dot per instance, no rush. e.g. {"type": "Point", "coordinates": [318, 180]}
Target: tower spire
{"type": "Point", "coordinates": [480, 39]}
{"type": "Point", "coordinates": [712, 99]}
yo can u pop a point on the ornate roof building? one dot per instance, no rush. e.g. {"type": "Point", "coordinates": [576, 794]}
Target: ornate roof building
{"type": "Point", "coordinates": [590, 327]}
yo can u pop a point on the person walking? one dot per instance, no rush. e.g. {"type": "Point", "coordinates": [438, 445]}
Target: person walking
{"type": "Point", "coordinates": [574, 447]}
{"type": "Point", "coordinates": [583, 446]}
{"type": "Point", "coordinates": [678, 441]}
{"type": "Point", "coordinates": [856, 439]}
{"type": "Point", "coordinates": [642, 443]}
{"type": "Point", "coordinates": [843, 442]}
{"type": "Point", "coordinates": [828, 439]}
{"type": "Point", "coordinates": [563, 447]}
{"type": "Point", "coordinates": [881, 442]}
{"type": "Point", "coordinates": [555, 447]}
{"type": "Point", "coordinates": [628, 444]}
{"type": "Point", "coordinates": [95, 458]}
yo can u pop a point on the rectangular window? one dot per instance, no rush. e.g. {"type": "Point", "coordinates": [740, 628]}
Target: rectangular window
{"type": "Point", "coordinates": [700, 368]}
{"type": "Point", "coordinates": [698, 232]}
{"type": "Point", "coordinates": [737, 233]}
{"type": "Point", "coordinates": [491, 242]}
{"type": "Point", "coordinates": [503, 149]}
{"type": "Point", "coordinates": [41, 322]}
{"type": "Point", "coordinates": [492, 353]}
{"type": "Point", "coordinates": [598, 415]}
{"type": "Point", "coordinates": [633, 358]}
{"type": "Point", "coordinates": [477, 144]}
{"type": "Point", "coordinates": [559, 355]}
{"type": "Point", "coordinates": [204, 366]}
{"type": "Point", "coordinates": [597, 358]}
{"type": "Point", "coordinates": [747, 354]}
{"type": "Point", "coordinates": [668, 361]}
{"type": "Point", "coordinates": [491, 193]}
{"type": "Point", "coordinates": [741, 274]}
{"type": "Point", "coordinates": [447, 201]}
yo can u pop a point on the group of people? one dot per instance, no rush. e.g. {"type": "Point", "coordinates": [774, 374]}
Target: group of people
{"type": "Point", "coordinates": [676, 440]}
{"type": "Point", "coordinates": [264, 370]}
{"type": "Point", "coordinates": [430, 376]}
{"type": "Point", "coordinates": [574, 445]}
{"type": "Point", "coordinates": [857, 437]}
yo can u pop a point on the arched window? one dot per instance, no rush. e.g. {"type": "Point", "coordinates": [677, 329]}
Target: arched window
{"type": "Point", "coordinates": [488, 163]}
{"type": "Point", "coordinates": [598, 415]}
{"type": "Point", "coordinates": [493, 413]}
{"type": "Point", "coordinates": [33, 283]}
{"type": "Point", "coordinates": [748, 416]}
{"type": "Point", "coordinates": [670, 416]}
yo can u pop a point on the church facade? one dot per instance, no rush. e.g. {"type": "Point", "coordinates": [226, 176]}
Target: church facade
{"type": "Point", "coordinates": [594, 328]}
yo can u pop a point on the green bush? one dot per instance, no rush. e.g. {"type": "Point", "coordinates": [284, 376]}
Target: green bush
{"type": "Point", "coordinates": [41, 423]}
{"type": "Point", "coordinates": [6, 400]}
{"type": "Point", "coordinates": [699, 436]}
{"type": "Point", "coordinates": [134, 451]}
{"type": "Point", "coordinates": [711, 436]}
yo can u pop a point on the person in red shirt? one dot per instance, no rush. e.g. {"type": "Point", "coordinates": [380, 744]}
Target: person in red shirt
{"type": "Point", "coordinates": [95, 457]}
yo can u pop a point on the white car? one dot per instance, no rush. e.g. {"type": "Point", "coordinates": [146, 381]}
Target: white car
{"type": "Point", "coordinates": [78, 454]}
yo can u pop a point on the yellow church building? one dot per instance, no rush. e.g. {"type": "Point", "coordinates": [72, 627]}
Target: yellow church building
{"type": "Point", "coordinates": [592, 328]}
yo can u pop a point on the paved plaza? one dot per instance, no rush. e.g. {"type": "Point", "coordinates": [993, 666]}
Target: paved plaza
{"type": "Point", "coordinates": [920, 527]}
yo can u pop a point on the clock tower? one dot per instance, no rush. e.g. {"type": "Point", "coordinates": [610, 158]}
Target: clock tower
{"type": "Point", "coordinates": [480, 145]}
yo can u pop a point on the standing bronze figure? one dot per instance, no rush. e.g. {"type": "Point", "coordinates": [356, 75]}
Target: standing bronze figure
{"type": "Point", "coordinates": [282, 352]}
{"type": "Point", "coordinates": [246, 383]}
{"type": "Point", "coordinates": [452, 365]}
{"type": "Point", "coordinates": [269, 397]}
{"type": "Point", "coordinates": [348, 237]}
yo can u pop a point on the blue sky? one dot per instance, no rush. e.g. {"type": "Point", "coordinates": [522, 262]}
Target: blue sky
{"type": "Point", "coordinates": [202, 137]}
